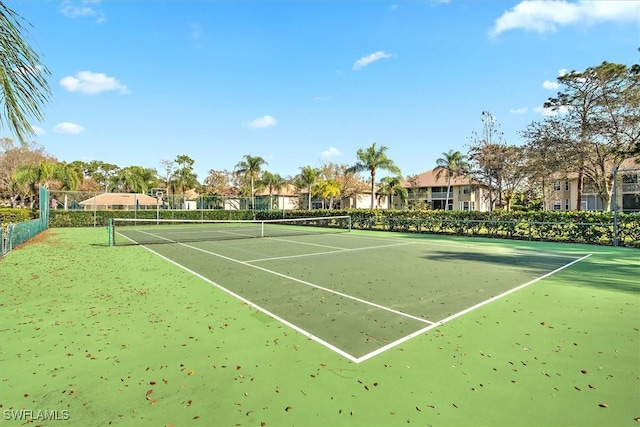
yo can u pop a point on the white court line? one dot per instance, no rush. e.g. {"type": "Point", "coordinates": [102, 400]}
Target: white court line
{"type": "Point", "coordinates": [329, 252]}
{"type": "Point", "coordinates": [302, 243]}
{"type": "Point", "coordinates": [465, 311]}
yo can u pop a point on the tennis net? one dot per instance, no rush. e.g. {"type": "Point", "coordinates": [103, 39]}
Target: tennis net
{"type": "Point", "coordinates": [127, 231]}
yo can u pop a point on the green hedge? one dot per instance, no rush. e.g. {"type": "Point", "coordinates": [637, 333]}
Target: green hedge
{"type": "Point", "coordinates": [569, 226]}
{"type": "Point", "coordinates": [15, 215]}
{"type": "Point", "coordinates": [572, 226]}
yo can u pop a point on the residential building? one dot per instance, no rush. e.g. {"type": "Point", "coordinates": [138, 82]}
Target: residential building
{"type": "Point", "coordinates": [563, 192]}
{"type": "Point", "coordinates": [425, 190]}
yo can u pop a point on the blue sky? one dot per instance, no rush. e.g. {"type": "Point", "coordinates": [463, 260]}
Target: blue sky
{"type": "Point", "coordinates": [302, 82]}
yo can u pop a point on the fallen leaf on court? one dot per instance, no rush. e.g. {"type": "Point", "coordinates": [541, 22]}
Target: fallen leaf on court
{"type": "Point", "coordinates": [419, 409]}
{"type": "Point", "coordinates": [190, 373]}
{"type": "Point", "coordinates": [603, 405]}
{"type": "Point", "coordinates": [288, 408]}
{"type": "Point", "coordinates": [149, 392]}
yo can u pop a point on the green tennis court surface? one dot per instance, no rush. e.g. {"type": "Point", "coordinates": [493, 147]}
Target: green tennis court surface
{"type": "Point", "coordinates": [357, 295]}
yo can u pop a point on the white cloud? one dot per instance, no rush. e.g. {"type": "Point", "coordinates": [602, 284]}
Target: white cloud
{"type": "Point", "coordinates": [68, 128]}
{"type": "Point", "coordinates": [518, 110]}
{"type": "Point", "coordinates": [91, 83]}
{"type": "Point", "coordinates": [552, 85]}
{"type": "Point", "coordinates": [331, 152]}
{"type": "Point", "coordinates": [549, 112]}
{"type": "Point", "coordinates": [543, 16]}
{"type": "Point", "coordinates": [261, 122]}
{"type": "Point", "coordinates": [366, 60]}
{"type": "Point", "coordinates": [81, 9]}
{"type": "Point", "coordinates": [37, 130]}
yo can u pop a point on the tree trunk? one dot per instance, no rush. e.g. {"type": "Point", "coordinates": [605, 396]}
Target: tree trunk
{"type": "Point", "coordinates": [446, 202]}
{"type": "Point", "coordinates": [373, 183]}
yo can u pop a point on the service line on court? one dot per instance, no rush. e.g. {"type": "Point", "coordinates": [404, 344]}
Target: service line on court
{"type": "Point", "coordinates": [465, 311]}
{"type": "Point", "coordinates": [341, 250]}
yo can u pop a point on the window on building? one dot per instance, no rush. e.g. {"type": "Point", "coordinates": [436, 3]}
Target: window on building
{"type": "Point", "coordinates": [567, 186]}
{"type": "Point", "coordinates": [557, 184]}
{"type": "Point", "coordinates": [566, 204]}
{"type": "Point", "coordinates": [557, 205]}
{"type": "Point", "coordinates": [465, 206]}
{"type": "Point", "coordinates": [465, 189]}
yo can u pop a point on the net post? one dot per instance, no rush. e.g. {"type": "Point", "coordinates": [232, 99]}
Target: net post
{"type": "Point", "coordinates": [349, 222]}
{"type": "Point", "coordinates": [111, 233]}
{"type": "Point", "coordinates": [261, 228]}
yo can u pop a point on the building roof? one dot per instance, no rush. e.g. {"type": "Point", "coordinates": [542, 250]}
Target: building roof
{"type": "Point", "coordinates": [120, 199]}
{"type": "Point", "coordinates": [428, 179]}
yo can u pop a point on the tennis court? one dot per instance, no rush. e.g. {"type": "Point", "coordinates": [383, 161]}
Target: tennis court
{"type": "Point", "coordinates": [355, 294]}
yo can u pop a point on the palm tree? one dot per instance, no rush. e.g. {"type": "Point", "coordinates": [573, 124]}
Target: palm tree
{"type": "Point", "coordinates": [390, 186]}
{"type": "Point", "coordinates": [250, 169]}
{"type": "Point", "coordinates": [23, 79]}
{"type": "Point", "coordinates": [372, 159]}
{"type": "Point", "coordinates": [27, 177]}
{"type": "Point", "coordinates": [453, 164]}
{"type": "Point", "coordinates": [68, 175]}
{"type": "Point", "coordinates": [328, 189]}
{"type": "Point", "coordinates": [273, 182]}
{"type": "Point", "coordinates": [306, 179]}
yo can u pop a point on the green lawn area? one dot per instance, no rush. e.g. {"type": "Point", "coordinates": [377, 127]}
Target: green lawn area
{"type": "Point", "coordinates": [118, 336]}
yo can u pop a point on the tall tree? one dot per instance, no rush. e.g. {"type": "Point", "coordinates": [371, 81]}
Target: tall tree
{"type": "Point", "coordinates": [487, 157]}
{"type": "Point", "coordinates": [135, 179]}
{"type": "Point", "coordinates": [546, 144]}
{"type": "Point", "coordinates": [273, 182]}
{"type": "Point", "coordinates": [250, 169]}
{"type": "Point", "coordinates": [451, 165]}
{"type": "Point", "coordinates": [221, 182]}
{"type": "Point", "coordinates": [328, 190]}
{"type": "Point", "coordinates": [306, 179]}
{"type": "Point", "coordinates": [392, 186]}
{"type": "Point", "coordinates": [24, 88]}
{"type": "Point", "coordinates": [601, 106]}
{"type": "Point", "coordinates": [373, 159]}
{"type": "Point", "coordinates": [348, 181]}
{"type": "Point", "coordinates": [184, 177]}
{"type": "Point", "coordinates": [11, 157]}
{"type": "Point", "coordinates": [26, 179]}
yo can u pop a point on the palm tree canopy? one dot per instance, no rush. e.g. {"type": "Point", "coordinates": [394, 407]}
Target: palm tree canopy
{"type": "Point", "coordinates": [23, 79]}
{"type": "Point", "coordinates": [373, 159]}
{"type": "Point", "coordinates": [451, 164]}
{"type": "Point", "coordinates": [250, 168]}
